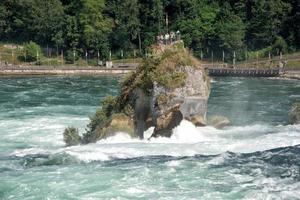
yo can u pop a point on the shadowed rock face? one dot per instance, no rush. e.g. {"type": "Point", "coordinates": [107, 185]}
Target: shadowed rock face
{"type": "Point", "coordinates": [140, 102]}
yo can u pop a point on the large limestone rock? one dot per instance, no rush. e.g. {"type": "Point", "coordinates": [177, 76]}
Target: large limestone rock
{"type": "Point", "coordinates": [120, 123]}
{"type": "Point", "coordinates": [188, 102]}
{"type": "Point", "coordinates": [165, 89]}
{"type": "Point", "coordinates": [294, 114]}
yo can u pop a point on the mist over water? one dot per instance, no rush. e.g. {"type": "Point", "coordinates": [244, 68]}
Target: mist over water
{"type": "Point", "coordinates": [258, 157]}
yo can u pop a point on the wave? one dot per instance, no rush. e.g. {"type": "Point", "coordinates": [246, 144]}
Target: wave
{"type": "Point", "coordinates": [187, 140]}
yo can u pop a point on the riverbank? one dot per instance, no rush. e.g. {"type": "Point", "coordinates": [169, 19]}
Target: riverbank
{"type": "Point", "coordinates": [293, 74]}
{"type": "Point", "coordinates": [42, 70]}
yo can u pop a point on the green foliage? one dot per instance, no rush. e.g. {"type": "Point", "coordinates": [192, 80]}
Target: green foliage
{"type": "Point", "coordinates": [71, 136]}
{"type": "Point", "coordinates": [36, 20]}
{"type": "Point", "coordinates": [230, 30]}
{"type": "Point", "coordinates": [167, 71]}
{"type": "Point", "coordinates": [72, 34]}
{"type": "Point", "coordinates": [163, 68]}
{"type": "Point", "coordinates": [265, 20]}
{"type": "Point", "coordinates": [100, 119]}
{"type": "Point", "coordinates": [259, 53]}
{"type": "Point", "coordinates": [32, 51]}
{"type": "Point", "coordinates": [279, 45]}
{"type": "Point", "coordinates": [5, 14]}
{"type": "Point", "coordinates": [71, 56]}
{"type": "Point", "coordinates": [126, 25]}
{"type": "Point", "coordinates": [96, 26]}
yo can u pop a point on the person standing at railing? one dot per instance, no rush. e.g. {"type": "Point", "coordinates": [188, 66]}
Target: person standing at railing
{"type": "Point", "coordinates": [172, 36]}
{"type": "Point", "coordinates": [167, 38]}
{"type": "Point", "coordinates": [178, 36]}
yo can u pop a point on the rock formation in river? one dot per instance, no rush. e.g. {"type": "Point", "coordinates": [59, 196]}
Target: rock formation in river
{"type": "Point", "coordinates": [219, 122]}
{"type": "Point", "coordinates": [169, 86]}
{"type": "Point", "coordinates": [295, 114]}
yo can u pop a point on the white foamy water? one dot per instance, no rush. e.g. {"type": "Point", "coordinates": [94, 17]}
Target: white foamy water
{"type": "Point", "coordinates": [195, 163]}
{"type": "Point", "coordinates": [187, 140]}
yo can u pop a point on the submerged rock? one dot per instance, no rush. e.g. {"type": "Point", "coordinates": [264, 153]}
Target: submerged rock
{"type": "Point", "coordinates": [219, 122]}
{"type": "Point", "coordinates": [165, 89]}
{"type": "Point", "coordinates": [294, 114]}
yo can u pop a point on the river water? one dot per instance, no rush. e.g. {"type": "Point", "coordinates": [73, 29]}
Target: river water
{"type": "Point", "coordinates": [258, 157]}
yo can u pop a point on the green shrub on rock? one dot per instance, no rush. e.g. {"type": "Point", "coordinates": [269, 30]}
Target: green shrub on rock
{"type": "Point", "coordinates": [100, 119]}
{"type": "Point", "coordinates": [71, 136]}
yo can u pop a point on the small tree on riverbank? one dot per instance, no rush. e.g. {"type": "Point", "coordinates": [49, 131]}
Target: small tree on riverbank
{"type": "Point", "coordinates": [32, 52]}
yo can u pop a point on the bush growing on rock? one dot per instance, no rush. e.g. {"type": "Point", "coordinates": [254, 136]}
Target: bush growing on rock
{"type": "Point", "coordinates": [100, 119]}
{"type": "Point", "coordinates": [71, 136]}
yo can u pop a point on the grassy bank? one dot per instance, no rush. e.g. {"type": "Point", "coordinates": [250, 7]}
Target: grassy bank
{"type": "Point", "coordinates": [13, 55]}
{"type": "Point", "coordinates": [292, 62]}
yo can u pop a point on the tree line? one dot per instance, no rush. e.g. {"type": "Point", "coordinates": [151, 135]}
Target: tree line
{"type": "Point", "coordinates": [102, 25]}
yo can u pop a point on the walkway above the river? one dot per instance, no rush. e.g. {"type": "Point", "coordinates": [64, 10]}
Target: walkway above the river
{"type": "Point", "coordinates": [243, 72]}
{"type": "Point", "coordinates": [123, 68]}
{"type": "Point", "coordinates": [46, 70]}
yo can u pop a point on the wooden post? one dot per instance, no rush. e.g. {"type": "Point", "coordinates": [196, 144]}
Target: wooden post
{"type": "Point", "coordinates": [167, 22]}
{"type": "Point", "coordinates": [246, 59]}
{"type": "Point", "coordinates": [223, 59]}
{"type": "Point", "coordinates": [201, 55]}
{"type": "Point", "coordinates": [140, 43]}
{"type": "Point", "coordinates": [37, 56]}
{"type": "Point", "coordinates": [233, 62]}
{"type": "Point", "coordinates": [86, 57]}
{"type": "Point", "coordinates": [74, 55]}
{"type": "Point", "coordinates": [98, 57]}
{"type": "Point", "coordinates": [12, 56]}
{"type": "Point", "coordinates": [256, 59]}
{"type": "Point", "coordinates": [270, 62]}
{"type": "Point", "coordinates": [47, 55]}
{"type": "Point", "coordinates": [62, 57]}
{"type": "Point", "coordinates": [212, 58]}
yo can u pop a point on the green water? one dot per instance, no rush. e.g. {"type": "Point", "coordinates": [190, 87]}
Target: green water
{"type": "Point", "coordinates": [258, 157]}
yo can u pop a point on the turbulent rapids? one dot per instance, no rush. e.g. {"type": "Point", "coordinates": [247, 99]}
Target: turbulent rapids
{"type": "Point", "coordinates": [257, 157]}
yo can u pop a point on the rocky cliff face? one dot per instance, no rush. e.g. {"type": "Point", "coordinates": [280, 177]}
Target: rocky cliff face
{"type": "Point", "coordinates": [167, 88]}
{"type": "Point", "coordinates": [171, 105]}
